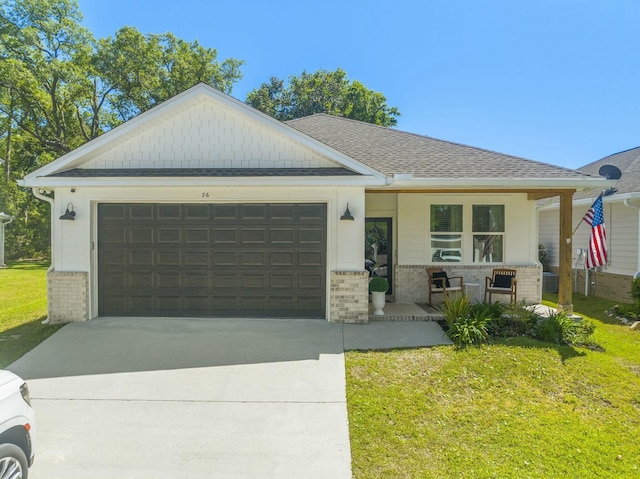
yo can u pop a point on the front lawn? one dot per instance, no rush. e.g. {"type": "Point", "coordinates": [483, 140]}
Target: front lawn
{"type": "Point", "coordinates": [23, 305]}
{"type": "Point", "coordinates": [515, 408]}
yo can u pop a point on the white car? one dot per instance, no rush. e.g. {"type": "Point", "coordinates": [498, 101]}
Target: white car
{"type": "Point", "coordinates": [17, 427]}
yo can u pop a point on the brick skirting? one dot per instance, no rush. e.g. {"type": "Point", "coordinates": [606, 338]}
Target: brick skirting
{"type": "Point", "coordinates": [410, 281]}
{"type": "Point", "coordinates": [349, 297]}
{"type": "Point", "coordinates": [67, 295]}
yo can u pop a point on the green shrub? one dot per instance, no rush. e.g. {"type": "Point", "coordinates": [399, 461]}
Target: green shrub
{"type": "Point", "coordinates": [467, 322]}
{"type": "Point", "coordinates": [469, 330]}
{"type": "Point", "coordinates": [629, 311]}
{"type": "Point", "coordinates": [516, 319]}
{"type": "Point", "coordinates": [455, 307]}
{"type": "Point", "coordinates": [635, 289]}
{"type": "Point", "coordinates": [378, 284]}
{"type": "Point", "coordinates": [560, 328]}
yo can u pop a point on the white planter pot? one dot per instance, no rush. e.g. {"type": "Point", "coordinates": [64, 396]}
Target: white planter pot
{"type": "Point", "coordinates": [377, 300]}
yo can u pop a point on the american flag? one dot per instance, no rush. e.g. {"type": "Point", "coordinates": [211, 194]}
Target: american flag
{"type": "Point", "coordinates": [597, 252]}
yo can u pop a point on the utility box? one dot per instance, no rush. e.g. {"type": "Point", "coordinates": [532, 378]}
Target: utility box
{"type": "Point", "coordinates": [549, 283]}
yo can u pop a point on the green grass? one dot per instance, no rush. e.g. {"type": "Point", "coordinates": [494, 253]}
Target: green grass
{"type": "Point", "coordinates": [516, 408]}
{"type": "Point", "coordinates": [23, 305]}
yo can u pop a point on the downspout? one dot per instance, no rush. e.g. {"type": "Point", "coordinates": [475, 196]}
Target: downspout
{"type": "Point", "coordinates": [629, 205]}
{"type": "Point", "coordinates": [40, 196]}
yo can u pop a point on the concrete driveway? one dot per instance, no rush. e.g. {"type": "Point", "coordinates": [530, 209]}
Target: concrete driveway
{"type": "Point", "coordinates": [199, 398]}
{"type": "Point", "coordinates": [178, 398]}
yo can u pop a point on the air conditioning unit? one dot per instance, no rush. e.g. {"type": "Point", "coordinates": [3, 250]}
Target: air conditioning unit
{"type": "Point", "coordinates": [549, 283]}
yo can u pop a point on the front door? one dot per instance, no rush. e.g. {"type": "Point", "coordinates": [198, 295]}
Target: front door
{"type": "Point", "coordinates": [378, 248]}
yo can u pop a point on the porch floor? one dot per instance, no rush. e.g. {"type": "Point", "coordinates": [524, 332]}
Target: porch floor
{"type": "Point", "coordinates": [406, 312]}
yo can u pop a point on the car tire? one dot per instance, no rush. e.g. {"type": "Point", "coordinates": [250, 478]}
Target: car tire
{"type": "Point", "coordinates": [12, 458]}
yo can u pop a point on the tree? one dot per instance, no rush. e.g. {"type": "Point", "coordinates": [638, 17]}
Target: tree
{"type": "Point", "coordinates": [322, 92]}
{"type": "Point", "coordinates": [60, 88]}
{"type": "Point", "coordinates": [144, 70]}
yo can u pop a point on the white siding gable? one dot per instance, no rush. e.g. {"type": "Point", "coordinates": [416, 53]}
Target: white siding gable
{"type": "Point", "coordinates": [207, 134]}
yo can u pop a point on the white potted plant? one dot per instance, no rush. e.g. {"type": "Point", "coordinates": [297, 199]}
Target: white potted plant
{"type": "Point", "coordinates": [378, 286]}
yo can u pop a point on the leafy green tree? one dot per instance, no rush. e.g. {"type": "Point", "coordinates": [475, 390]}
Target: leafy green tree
{"type": "Point", "coordinates": [143, 70]}
{"type": "Point", "coordinates": [60, 88]}
{"type": "Point", "coordinates": [322, 92]}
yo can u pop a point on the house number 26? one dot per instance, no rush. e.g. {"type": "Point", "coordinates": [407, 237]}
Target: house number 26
{"type": "Point", "coordinates": [205, 194]}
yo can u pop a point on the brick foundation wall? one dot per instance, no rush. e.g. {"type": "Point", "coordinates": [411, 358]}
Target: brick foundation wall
{"type": "Point", "coordinates": [616, 287]}
{"type": "Point", "coordinates": [349, 297]}
{"type": "Point", "coordinates": [67, 296]}
{"type": "Point", "coordinates": [410, 282]}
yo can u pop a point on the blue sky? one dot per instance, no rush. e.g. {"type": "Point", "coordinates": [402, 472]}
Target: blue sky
{"type": "Point", "coordinates": [550, 80]}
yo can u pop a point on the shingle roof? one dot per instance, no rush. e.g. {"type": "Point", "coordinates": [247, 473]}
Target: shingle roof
{"type": "Point", "coordinates": [629, 164]}
{"type": "Point", "coordinates": [202, 172]}
{"type": "Point", "coordinates": [392, 151]}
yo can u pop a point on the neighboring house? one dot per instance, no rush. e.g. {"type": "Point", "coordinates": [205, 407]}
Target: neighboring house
{"type": "Point", "coordinates": [622, 221]}
{"type": "Point", "coordinates": [203, 206]}
{"type": "Point", "coordinates": [5, 219]}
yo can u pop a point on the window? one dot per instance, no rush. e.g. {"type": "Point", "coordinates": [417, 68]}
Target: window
{"type": "Point", "coordinates": [488, 233]}
{"type": "Point", "coordinates": [455, 229]}
{"type": "Point", "coordinates": [446, 233]}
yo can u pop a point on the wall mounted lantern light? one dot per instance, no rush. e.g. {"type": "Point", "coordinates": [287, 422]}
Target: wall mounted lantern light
{"type": "Point", "coordinates": [347, 215]}
{"type": "Point", "coordinates": [69, 214]}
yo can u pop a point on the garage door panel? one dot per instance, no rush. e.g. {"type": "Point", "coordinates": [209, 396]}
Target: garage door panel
{"type": "Point", "coordinates": [282, 258]}
{"type": "Point", "coordinates": [115, 235]}
{"type": "Point", "coordinates": [168, 212]}
{"type": "Point", "coordinates": [111, 212]}
{"type": "Point", "coordinates": [170, 305]}
{"type": "Point", "coordinates": [115, 279]}
{"type": "Point", "coordinates": [141, 212]}
{"type": "Point", "coordinates": [252, 212]}
{"type": "Point", "coordinates": [168, 258]}
{"type": "Point", "coordinates": [141, 257]}
{"type": "Point", "coordinates": [315, 213]}
{"type": "Point", "coordinates": [191, 280]}
{"type": "Point", "coordinates": [253, 236]}
{"type": "Point", "coordinates": [222, 236]}
{"type": "Point", "coordinates": [280, 281]}
{"type": "Point", "coordinates": [141, 279]}
{"type": "Point", "coordinates": [169, 236]}
{"type": "Point", "coordinates": [253, 280]}
{"type": "Point", "coordinates": [166, 279]}
{"type": "Point", "coordinates": [310, 258]}
{"type": "Point", "coordinates": [310, 281]}
{"type": "Point", "coordinates": [253, 258]}
{"type": "Point", "coordinates": [141, 303]}
{"type": "Point", "coordinates": [196, 304]}
{"type": "Point", "coordinates": [242, 260]}
{"type": "Point", "coordinates": [197, 213]}
{"type": "Point", "coordinates": [282, 236]}
{"type": "Point", "coordinates": [222, 280]}
{"type": "Point", "coordinates": [116, 257]}
{"type": "Point", "coordinates": [225, 258]}
{"type": "Point", "coordinates": [197, 236]}
{"type": "Point", "coordinates": [142, 236]}
{"type": "Point", "coordinates": [196, 258]}
{"type": "Point", "coordinates": [311, 236]}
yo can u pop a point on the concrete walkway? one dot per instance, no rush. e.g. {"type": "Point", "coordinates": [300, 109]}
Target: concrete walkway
{"type": "Point", "coordinates": [192, 398]}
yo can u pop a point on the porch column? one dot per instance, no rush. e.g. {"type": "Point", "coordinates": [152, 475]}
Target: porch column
{"type": "Point", "coordinates": [565, 300]}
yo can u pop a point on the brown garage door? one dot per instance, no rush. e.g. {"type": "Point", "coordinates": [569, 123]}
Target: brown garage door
{"type": "Point", "coordinates": [225, 260]}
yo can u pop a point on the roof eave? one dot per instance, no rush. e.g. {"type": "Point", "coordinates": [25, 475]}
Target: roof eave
{"type": "Point", "coordinates": [501, 183]}
{"type": "Point", "coordinates": [288, 181]}
{"type": "Point", "coordinates": [616, 198]}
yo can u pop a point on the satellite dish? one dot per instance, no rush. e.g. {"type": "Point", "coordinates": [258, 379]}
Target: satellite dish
{"type": "Point", "coordinates": [610, 172]}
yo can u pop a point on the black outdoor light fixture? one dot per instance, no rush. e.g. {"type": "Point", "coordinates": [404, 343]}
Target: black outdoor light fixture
{"type": "Point", "coordinates": [347, 215]}
{"type": "Point", "coordinates": [69, 214]}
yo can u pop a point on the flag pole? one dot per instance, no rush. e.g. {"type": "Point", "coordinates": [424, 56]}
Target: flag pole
{"type": "Point", "coordinates": [576, 228]}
